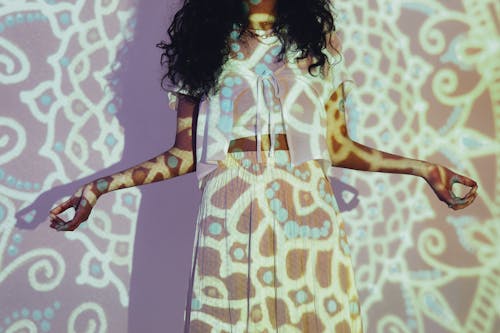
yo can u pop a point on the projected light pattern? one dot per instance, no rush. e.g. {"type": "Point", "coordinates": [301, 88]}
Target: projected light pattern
{"type": "Point", "coordinates": [428, 87]}
{"type": "Point", "coordinates": [58, 115]}
{"type": "Point", "coordinates": [437, 65]}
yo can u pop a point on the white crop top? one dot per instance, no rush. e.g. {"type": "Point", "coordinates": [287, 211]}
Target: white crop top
{"type": "Point", "coordinates": [260, 96]}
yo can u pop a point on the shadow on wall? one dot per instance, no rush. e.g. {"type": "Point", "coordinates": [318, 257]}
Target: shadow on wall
{"type": "Point", "coordinates": [165, 226]}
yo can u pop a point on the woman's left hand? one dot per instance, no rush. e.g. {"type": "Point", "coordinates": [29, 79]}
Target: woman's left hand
{"type": "Point", "coordinates": [441, 180]}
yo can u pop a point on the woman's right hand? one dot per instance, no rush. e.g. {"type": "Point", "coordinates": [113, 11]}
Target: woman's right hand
{"type": "Point", "coordinates": [83, 200]}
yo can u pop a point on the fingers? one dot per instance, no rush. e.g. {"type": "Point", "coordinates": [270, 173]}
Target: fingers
{"type": "Point", "coordinates": [464, 180]}
{"type": "Point", "coordinates": [467, 181]}
{"type": "Point", "coordinates": [463, 202]}
{"type": "Point", "coordinates": [56, 221]}
{"type": "Point", "coordinates": [81, 214]}
{"type": "Point", "coordinates": [60, 225]}
{"type": "Point", "coordinates": [62, 207]}
{"type": "Point", "coordinates": [462, 205]}
{"type": "Point", "coordinates": [70, 226]}
{"type": "Point", "coordinates": [80, 217]}
{"type": "Point", "coordinates": [473, 188]}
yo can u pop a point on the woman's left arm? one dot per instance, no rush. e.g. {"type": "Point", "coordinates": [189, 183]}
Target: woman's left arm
{"type": "Point", "coordinates": [349, 154]}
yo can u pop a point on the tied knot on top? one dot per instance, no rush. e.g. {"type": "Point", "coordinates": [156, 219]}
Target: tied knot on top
{"type": "Point", "coordinates": [267, 90]}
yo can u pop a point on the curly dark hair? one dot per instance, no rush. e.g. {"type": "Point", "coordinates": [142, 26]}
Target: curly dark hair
{"type": "Point", "coordinates": [199, 33]}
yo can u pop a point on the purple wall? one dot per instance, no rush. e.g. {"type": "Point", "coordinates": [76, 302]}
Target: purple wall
{"type": "Point", "coordinates": [80, 98]}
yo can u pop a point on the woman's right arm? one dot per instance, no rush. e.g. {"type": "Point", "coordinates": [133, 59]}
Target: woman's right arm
{"type": "Point", "coordinates": [176, 161]}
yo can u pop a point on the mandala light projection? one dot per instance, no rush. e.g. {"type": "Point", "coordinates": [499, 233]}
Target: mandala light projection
{"type": "Point", "coordinates": [428, 87]}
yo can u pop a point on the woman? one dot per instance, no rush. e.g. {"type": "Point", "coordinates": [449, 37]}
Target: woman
{"type": "Point", "coordinates": [260, 119]}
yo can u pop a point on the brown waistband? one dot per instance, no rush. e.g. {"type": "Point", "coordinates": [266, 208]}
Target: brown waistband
{"type": "Point", "coordinates": [249, 143]}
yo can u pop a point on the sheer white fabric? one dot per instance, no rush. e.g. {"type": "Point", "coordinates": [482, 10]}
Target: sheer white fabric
{"type": "Point", "coordinates": [259, 95]}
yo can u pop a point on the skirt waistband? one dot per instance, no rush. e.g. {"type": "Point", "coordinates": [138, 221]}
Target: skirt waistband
{"type": "Point", "coordinates": [244, 165]}
{"type": "Point", "coordinates": [250, 144]}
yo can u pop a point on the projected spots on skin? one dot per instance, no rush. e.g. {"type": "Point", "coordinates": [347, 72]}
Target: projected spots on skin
{"type": "Point", "coordinates": [172, 161]}
{"type": "Point", "coordinates": [102, 185]}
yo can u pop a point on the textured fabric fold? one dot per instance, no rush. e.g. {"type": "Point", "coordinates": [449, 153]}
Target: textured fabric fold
{"type": "Point", "coordinates": [265, 80]}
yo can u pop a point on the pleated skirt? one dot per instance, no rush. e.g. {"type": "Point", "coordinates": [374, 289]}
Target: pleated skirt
{"type": "Point", "coordinates": [270, 252]}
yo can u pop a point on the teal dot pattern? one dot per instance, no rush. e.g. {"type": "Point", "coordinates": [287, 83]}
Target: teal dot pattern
{"type": "Point", "coordinates": [61, 98]}
{"type": "Point", "coordinates": [60, 124]}
{"type": "Point", "coordinates": [269, 232]}
{"type": "Point", "coordinates": [40, 318]}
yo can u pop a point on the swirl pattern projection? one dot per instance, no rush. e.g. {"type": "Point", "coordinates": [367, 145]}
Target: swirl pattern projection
{"type": "Point", "coordinates": [428, 75]}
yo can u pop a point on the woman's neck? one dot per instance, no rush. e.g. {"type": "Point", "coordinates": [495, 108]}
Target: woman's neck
{"type": "Point", "coordinates": [261, 13]}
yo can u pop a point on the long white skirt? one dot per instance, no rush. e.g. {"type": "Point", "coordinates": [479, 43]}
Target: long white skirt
{"type": "Point", "coordinates": [270, 251]}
